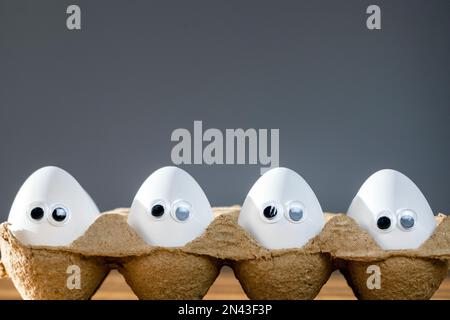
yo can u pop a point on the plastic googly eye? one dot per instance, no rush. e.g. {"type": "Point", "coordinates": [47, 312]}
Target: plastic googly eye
{"type": "Point", "coordinates": [158, 209]}
{"type": "Point", "coordinates": [181, 210]}
{"type": "Point", "coordinates": [281, 210]}
{"type": "Point", "coordinates": [51, 209]}
{"type": "Point", "coordinates": [407, 219]}
{"type": "Point", "coordinates": [37, 213]}
{"type": "Point", "coordinates": [385, 221]}
{"type": "Point", "coordinates": [296, 211]}
{"type": "Point", "coordinates": [182, 213]}
{"type": "Point", "coordinates": [59, 215]}
{"type": "Point", "coordinates": [270, 212]}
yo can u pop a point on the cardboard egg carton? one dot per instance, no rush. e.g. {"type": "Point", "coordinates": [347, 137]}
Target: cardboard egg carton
{"type": "Point", "coordinates": [40, 272]}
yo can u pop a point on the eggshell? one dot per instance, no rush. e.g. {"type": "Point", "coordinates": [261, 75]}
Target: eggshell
{"type": "Point", "coordinates": [168, 186]}
{"type": "Point", "coordinates": [108, 243]}
{"type": "Point", "coordinates": [152, 272]}
{"type": "Point", "coordinates": [293, 268]}
{"type": "Point", "coordinates": [405, 274]}
{"type": "Point", "coordinates": [281, 188]}
{"type": "Point", "coordinates": [412, 261]}
{"type": "Point", "coordinates": [49, 188]}
{"type": "Point", "coordinates": [264, 273]}
{"type": "Point", "coordinates": [390, 193]}
{"type": "Point", "coordinates": [150, 269]}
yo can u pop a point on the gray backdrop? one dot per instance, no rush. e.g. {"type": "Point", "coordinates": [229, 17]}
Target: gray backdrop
{"type": "Point", "coordinates": [102, 102]}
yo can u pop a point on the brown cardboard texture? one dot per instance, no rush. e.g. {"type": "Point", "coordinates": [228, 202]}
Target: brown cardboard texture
{"type": "Point", "coordinates": [152, 272]}
{"type": "Point", "coordinates": [265, 274]}
{"type": "Point", "coordinates": [402, 274]}
{"type": "Point", "coordinates": [170, 274]}
{"type": "Point", "coordinates": [188, 272]}
{"type": "Point", "coordinates": [41, 274]}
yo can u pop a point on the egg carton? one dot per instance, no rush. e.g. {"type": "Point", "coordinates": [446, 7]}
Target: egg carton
{"type": "Point", "coordinates": [40, 272]}
{"type": "Point", "coordinates": [280, 244]}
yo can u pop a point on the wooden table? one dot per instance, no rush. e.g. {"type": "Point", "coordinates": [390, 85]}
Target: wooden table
{"type": "Point", "coordinates": [225, 287]}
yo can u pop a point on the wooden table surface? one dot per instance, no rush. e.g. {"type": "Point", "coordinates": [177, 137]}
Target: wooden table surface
{"type": "Point", "coordinates": [225, 287]}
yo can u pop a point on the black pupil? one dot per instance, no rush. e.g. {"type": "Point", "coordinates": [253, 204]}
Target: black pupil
{"type": "Point", "coordinates": [157, 210]}
{"type": "Point", "coordinates": [270, 212]}
{"type": "Point", "coordinates": [59, 214]}
{"type": "Point", "coordinates": [384, 223]}
{"type": "Point", "coordinates": [37, 213]}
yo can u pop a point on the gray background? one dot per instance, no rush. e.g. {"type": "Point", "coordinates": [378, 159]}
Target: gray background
{"type": "Point", "coordinates": [102, 102]}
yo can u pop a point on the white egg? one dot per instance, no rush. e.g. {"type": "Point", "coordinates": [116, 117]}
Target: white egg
{"type": "Point", "coordinates": [392, 209]}
{"type": "Point", "coordinates": [170, 209]}
{"type": "Point", "coordinates": [281, 210]}
{"type": "Point", "coordinates": [51, 209]}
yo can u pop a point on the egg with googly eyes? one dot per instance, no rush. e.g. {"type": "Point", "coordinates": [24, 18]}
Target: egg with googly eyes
{"type": "Point", "coordinates": [393, 210]}
{"type": "Point", "coordinates": [169, 211]}
{"type": "Point", "coordinates": [282, 214]}
{"type": "Point", "coordinates": [51, 209]}
{"type": "Point", "coordinates": [393, 221]}
{"type": "Point", "coordinates": [281, 210]}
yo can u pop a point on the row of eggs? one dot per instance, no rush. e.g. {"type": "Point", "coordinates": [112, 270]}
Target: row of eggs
{"type": "Point", "coordinates": [170, 209]}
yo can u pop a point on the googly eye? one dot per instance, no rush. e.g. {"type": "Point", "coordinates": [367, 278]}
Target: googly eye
{"type": "Point", "coordinates": [51, 209]}
{"type": "Point", "coordinates": [37, 213]}
{"type": "Point", "coordinates": [295, 212]}
{"type": "Point", "coordinates": [59, 215]}
{"type": "Point", "coordinates": [181, 211]}
{"type": "Point", "coordinates": [407, 219]}
{"type": "Point", "coordinates": [271, 212]}
{"type": "Point", "coordinates": [158, 209]}
{"type": "Point", "coordinates": [385, 221]}
{"type": "Point", "coordinates": [275, 208]}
